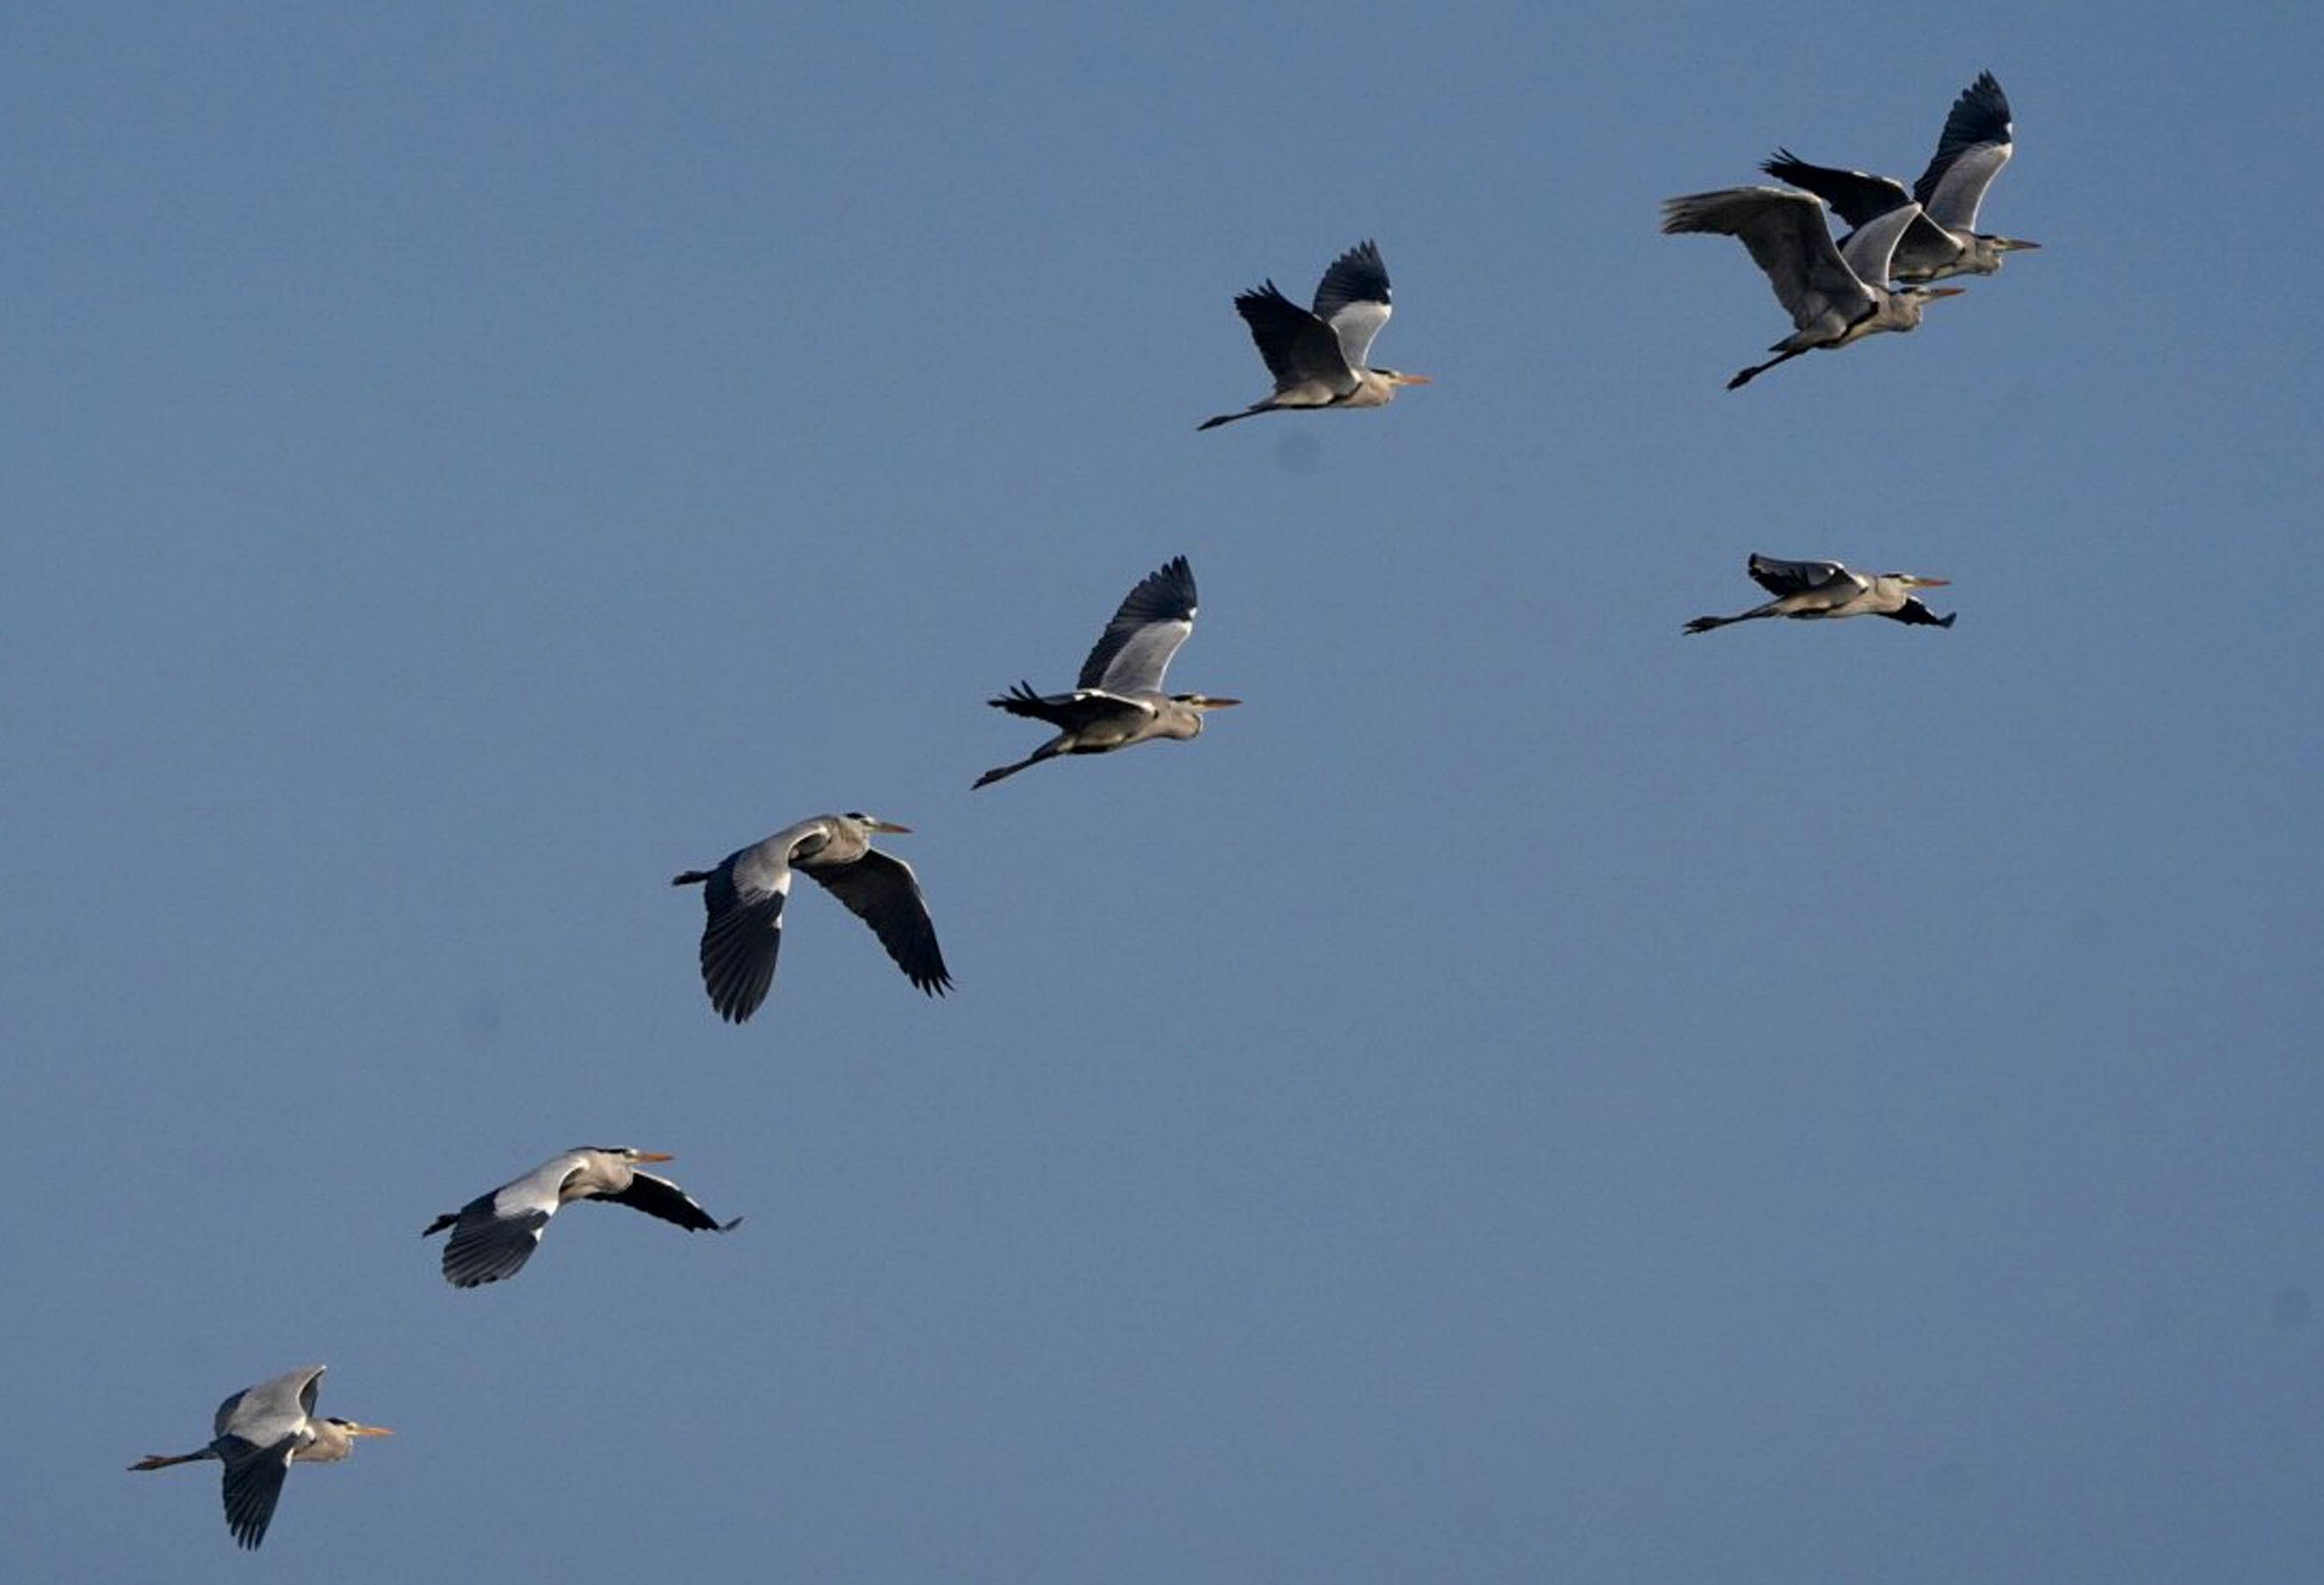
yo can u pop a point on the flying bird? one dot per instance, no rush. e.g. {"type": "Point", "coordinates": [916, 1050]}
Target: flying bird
{"type": "Point", "coordinates": [1813, 590]}
{"type": "Point", "coordinates": [744, 895]}
{"type": "Point", "coordinates": [257, 1433]}
{"type": "Point", "coordinates": [1317, 358]}
{"type": "Point", "coordinates": [495, 1234]}
{"type": "Point", "coordinates": [1117, 700]}
{"type": "Point", "coordinates": [1942, 239]}
{"type": "Point", "coordinates": [1834, 295]}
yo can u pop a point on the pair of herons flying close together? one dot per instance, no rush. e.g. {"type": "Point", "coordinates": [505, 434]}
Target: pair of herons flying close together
{"type": "Point", "coordinates": [1116, 703]}
{"type": "Point", "coordinates": [259, 1432]}
{"type": "Point", "coordinates": [1838, 293]}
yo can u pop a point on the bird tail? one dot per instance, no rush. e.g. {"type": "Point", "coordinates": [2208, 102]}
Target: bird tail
{"type": "Point", "coordinates": [692, 877]}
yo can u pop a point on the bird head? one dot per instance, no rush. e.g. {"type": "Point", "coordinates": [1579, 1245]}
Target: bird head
{"type": "Point", "coordinates": [353, 1428]}
{"type": "Point", "coordinates": [1398, 377]}
{"type": "Point", "coordinates": [2012, 244]}
{"type": "Point", "coordinates": [1931, 294]}
{"type": "Point", "coordinates": [871, 822]}
{"type": "Point", "coordinates": [1201, 704]}
{"type": "Point", "coordinates": [1914, 580]}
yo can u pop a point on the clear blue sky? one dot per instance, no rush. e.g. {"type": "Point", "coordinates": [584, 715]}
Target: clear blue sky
{"type": "Point", "coordinates": [1530, 1096]}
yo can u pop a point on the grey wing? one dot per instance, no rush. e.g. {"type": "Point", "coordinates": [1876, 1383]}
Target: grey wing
{"type": "Point", "coordinates": [486, 1247]}
{"type": "Point", "coordinates": [1298, 346]}
{"type": "Point", "coordinates": [1857, 196]}
{"type": "Point", "coordinates": [1871, 251]}
{"type": "Point", "coordinates": [1153, 619]}
{"type": "Point", "coordinates": [273, 1409]}
{"type": "Point", "coordinates": [881, 890]}
{"type": "Point", "coordinates": [742, 930]}
{"type": "Point", "coordinates": [1976, 143]}
{"type": "Point", "coordinates": [1785, 234]}
{"type": "Point", "coordinates": [658, 1197]}
{"type": "Point", "coordinates": [1353, 300]}
{"type": "Point", "coordinates": [254, 1483]}
{"type": "Point", "coordinates": [1783, 579]}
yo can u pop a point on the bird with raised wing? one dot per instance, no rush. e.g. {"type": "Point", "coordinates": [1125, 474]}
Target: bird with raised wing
{"type": "Point", "coordinates": [257, 1434]}
{"type": "Point", "coordinates": [1317, 357]}
{"type": "Point", "coordinates": [1817, 591]}
{"type": "Point", "coordinates": [1117, 700]}
{"type": "Point", "coordinates": [743, 898]}
{"type": "Point", "coordinates": [1942, 239]}
{"type": "Point", "coordinates": [495, 1234]}
{"type": "Point", "coordinates": [1834, 296]}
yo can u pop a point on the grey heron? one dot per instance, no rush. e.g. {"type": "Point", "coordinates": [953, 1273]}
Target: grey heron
{"type": "Point", "coordinates": [1835, 296]}
{"type": "Point", "coordinates": [1813, 590]}
{"type": "Point", "coordinates": [495, 1234]}
{"type": "Point", "coordinates": [257, 1433]}
{"type": "Point", "coordinates": [1117, 700]}
{"type": "Point", "coordinates": [743, 899]}
{"type": "Point", "coordinates": [1943, 239]}
{"type": "Point", "coordinates": [1317, 358]}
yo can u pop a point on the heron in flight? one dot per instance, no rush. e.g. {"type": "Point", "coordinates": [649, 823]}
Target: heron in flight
{"type": "Point", "coordinates": [257, 1433]}
{"type": "Point", "coordinates": [743, 898]}
{"type": "Point", "coordinates": [1117, 700]}
{"type": "Point", "coordinates": [1834, 295]}
{"type": "Point", "coordinates": [1942, 239]}
{"type": "Point", "coordinates": [495, 1234]}
{"type": "Point", "coordinates": [1814, 590]}
{"type": "Point", "coordinates": [1317, 358]}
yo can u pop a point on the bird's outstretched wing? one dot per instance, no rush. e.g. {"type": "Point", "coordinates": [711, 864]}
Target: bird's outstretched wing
{"type": "Point", "coordinates": [1153, 619]}
{"type": "Point", "coordinates": [253, 1485]}
{"type": "Point", "coordinates": [1352, 298]}
{"type": "Point", "coordinates": [1068, 712]}
{"type": "Point", "coordinates": [741, 932]}
{"type": "Point", "coordinates": [881, 890]}
{"type": "Point", "coordinates": [1862, 199]}
{"type": "Point", "coordinates": [658, 1197]}
{"type": "Point", "coordinates": [1870, 250]}
{"type": "Point", "coordinates": [1976, 143]}
{"type": "Point", "coordinates": [491, 1241]}
{"type": "Point", "coordinates": [273, 1409]}
{"type": "Point", "coordinates": [1913, 613]}
{"type": "Point", "coordinates": [1857, 196]}
{"type": "Point", "coordinates": [1298, 346]}
{"type": "Point", "coordinates": [1783, 579]}
{"type": "Point", "coordinates": [1784, 232]}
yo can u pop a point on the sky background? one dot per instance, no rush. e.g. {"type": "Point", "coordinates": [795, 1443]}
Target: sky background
{"type": "Point", "coordinates": [1530, 1096]}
